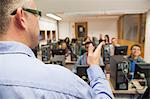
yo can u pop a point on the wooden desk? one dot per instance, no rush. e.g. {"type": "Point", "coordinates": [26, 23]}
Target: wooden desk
{"type": "Point", "coordinates": [69, 64]}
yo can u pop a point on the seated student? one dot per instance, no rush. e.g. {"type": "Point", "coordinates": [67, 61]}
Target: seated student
{"type": "Point", "coordinates": [134, 58]}
{"type": "Point", "coordinates": [67, 41]}
{"type": "Point", "coordinates": [83, 58]}
{"type": "Point", "coordinates": [135, 54]}
{"type": "Point", "coordinates": [114, 42]}
{"type": "Point", "coordinates": [106, 50]}
{"type": "Point", "coordinates": [106, 38]}
{"type": "Point", "coordinates": [74, 46]}
{"type": "Point", "coordinates": [64, 46]}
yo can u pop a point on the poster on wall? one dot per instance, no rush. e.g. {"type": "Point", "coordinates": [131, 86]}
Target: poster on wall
{"type": "Point", "coordinates": [80, 29]}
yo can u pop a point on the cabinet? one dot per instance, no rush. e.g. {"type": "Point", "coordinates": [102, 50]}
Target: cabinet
{"type": "Point", "coordinates": [132, 27]}
{"type": "Point", "coordinates": [131, 30]}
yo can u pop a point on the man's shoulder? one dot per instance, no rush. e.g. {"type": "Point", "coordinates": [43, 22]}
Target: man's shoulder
{"type": "Point", "coordinates": [52, 77]}
{"type": "Point", "coordinates": [52, 69]}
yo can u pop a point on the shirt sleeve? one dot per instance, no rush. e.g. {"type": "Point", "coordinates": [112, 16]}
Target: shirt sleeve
{"type": "Point", "coordinates": [99, 83]}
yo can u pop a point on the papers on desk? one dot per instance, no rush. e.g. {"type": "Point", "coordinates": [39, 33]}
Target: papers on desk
{"type": "Point", "coordinates": [136, 84]}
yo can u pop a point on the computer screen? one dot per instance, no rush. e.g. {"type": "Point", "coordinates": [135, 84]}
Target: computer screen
{"type": "Point", "coordinates": [143, 68]}
{"type": "Point", "coordinates": [58, 52]}
{"type": "Point", "coordinates": [121, 50]}
{"type": "Point", "coordinates": [82, 71]}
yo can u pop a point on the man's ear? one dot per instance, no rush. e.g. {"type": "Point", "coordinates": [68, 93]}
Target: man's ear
{"type": "Point", "coordinates": [20, 18]}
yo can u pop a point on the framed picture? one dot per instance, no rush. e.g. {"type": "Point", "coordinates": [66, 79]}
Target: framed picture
{"type": "Point", "coordinates": [80, 29]}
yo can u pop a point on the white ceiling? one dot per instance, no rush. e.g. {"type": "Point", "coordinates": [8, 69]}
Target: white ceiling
{"type": "Point", "coordinates": [92, 8]}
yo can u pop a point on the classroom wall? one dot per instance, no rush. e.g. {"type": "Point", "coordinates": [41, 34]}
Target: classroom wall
{"type": "Point", "coordinates": [65, 30]}
{"type": "Point", "coordinates": [95, 27]}
{"type": "Point", "coordinates": [47, 24]}
{"type": "Point", "coordinates": [103, 26]}
{"type": "Point", "coordinates": [147, 39]}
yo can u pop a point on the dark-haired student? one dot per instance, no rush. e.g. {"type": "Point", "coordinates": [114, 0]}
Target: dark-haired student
{"type": "Point", "coordinates": [134, 58]}
{"type": "Point", "coordinates": [114, 43]}
{"type": "Point", "coordinates": [83, 59]}
{"type": "Point", "coordinates": [135, 54]}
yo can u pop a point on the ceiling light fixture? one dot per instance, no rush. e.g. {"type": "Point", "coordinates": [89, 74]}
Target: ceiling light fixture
{"type": "Point", "coordinates": [54, 16]}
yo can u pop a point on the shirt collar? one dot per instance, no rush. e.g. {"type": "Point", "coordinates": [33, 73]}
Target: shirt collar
{"type": "Point", "coordinates": [139, 59]}
{"type": "Point", "coordinates": [12, 47]}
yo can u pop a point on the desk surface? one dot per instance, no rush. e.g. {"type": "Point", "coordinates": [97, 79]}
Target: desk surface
{"type": "Point", "coordinates": [140, 89]}
{"type": "Point", "coordinates": [70, 62]}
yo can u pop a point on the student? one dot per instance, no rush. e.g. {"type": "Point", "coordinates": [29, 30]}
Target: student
{"type": "Point", "coordinates": [135, 53]}
{"type": "Point", "coordinates": [106, 50]}
{"type": "Point", "coordinates": [22, 76]}
{"type": "Point", "coordinates": [82, 60]}
{"type": "Point", "coordinates": [114, 42]}
{"type": "Point", "coordinates": [134, 58]}
{"type": "Point", "coordinates": [106, 38]}
{"type": "Point", "coordinates": [64, 47]}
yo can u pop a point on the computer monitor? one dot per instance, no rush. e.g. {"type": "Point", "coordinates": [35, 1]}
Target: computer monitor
{"type": "Point", "coordinates": [82, 71]}
{"type": "Point", "coordinates": [121, 50]}
{"type": "Point", "coordinates": [143, 68]}
{"type": "Point", "coordinates": [58, 52]}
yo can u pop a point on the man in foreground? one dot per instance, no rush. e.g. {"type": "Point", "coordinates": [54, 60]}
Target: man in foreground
{"type": "Point", "coordinates": [22, 76]}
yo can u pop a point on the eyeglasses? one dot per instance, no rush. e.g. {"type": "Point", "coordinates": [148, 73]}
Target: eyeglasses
{"type": "Point", "coordinates": [35, 12]}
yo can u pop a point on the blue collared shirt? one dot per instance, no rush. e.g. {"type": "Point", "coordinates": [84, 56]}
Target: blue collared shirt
{"type": "Point", "coordinates": [22, 76]}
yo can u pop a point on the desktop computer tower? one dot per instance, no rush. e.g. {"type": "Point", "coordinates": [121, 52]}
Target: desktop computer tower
{"type": "Point", "coordinates": [119, 68]}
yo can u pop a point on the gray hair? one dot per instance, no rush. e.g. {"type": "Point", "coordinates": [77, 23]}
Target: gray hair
{"type": "Point", "coordinates": [6, 8]}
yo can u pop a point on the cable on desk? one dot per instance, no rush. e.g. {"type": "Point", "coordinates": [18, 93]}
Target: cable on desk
{"type": "Point", "coordinates": [125, 71]}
